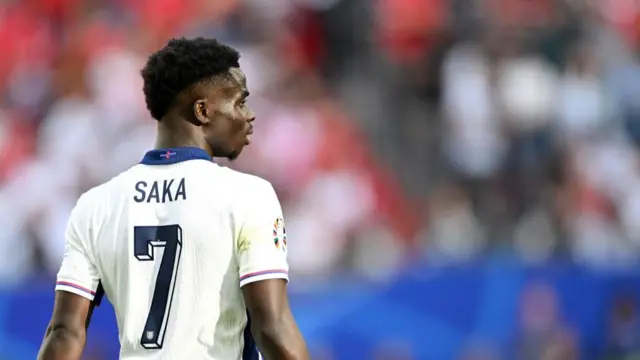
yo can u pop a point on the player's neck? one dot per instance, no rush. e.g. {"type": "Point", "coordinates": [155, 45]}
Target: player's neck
{"type": "Point", "coordinates": [177, 136]}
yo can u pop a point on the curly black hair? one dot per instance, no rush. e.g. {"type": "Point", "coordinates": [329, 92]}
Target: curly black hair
{"type": "Point", "coordinates": [180, 64]}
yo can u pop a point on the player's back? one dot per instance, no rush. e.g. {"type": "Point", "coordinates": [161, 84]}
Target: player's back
{"type": "Point", "coordinates": [164, 244]}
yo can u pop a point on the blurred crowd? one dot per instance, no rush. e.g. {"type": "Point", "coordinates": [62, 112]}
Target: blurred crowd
{"type": "Point", "coordinates": [391, 129]}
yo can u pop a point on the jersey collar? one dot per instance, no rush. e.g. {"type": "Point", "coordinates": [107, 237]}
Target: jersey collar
{"type": "Point", "coordinates": [168, 156]}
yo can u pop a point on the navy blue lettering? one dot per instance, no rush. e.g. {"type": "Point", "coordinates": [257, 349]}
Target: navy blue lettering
{"type": "Point", "coordinates": [182, 190]}
{"type": "Point", "coordinates": [145, 241]}
{"type": "Point", "coordinates": [170, 192]}
{"type": "Point", "coordinates": [154, 193]}
{"type": "Point", "coordinates": [140, 188]}
{"type": "Point", "coordinates": [166, 191]}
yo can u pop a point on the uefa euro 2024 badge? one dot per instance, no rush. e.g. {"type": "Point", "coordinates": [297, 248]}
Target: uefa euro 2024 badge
{"type": "Point", "coordinates": [280, 234]}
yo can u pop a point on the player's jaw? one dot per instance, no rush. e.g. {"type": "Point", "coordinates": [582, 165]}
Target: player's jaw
{"type": "Point", "coordinates": [243, 140]}
{"type": "Point", "coordinates": [236, 144]}
{"type": "Point", "coordinates": [248, 135]}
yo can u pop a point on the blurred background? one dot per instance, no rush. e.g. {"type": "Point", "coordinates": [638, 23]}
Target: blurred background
{"type": "Point", "coordinates": [460, 178]}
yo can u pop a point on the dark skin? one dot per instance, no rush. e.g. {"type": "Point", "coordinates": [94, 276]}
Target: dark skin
{"type": "Point", "coordinates": [213, 116]}
{"type": "Point", "coordinates": [272, 323]}
{"type": "Point", "coordinates": [66, 334]}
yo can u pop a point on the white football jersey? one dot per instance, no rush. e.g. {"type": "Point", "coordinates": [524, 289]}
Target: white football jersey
{"type": "Point", "coordinates": [171, 241]}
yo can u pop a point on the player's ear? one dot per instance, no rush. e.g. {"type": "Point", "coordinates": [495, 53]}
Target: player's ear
{"type": "Point", "coordinates": [200, 111]}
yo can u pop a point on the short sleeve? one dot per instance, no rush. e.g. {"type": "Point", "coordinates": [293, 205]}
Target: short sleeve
{"type": "Point", "coordinates": [77, 273]}
{"type": "Point", "coordinates": [262, 240]}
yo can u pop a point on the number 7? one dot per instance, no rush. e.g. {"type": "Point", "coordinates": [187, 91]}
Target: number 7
{"type": "Point", "coordinates": [145, 239]}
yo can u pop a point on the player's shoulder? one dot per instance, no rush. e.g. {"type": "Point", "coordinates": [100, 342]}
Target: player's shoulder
{"type": "Point", "coordinates": [247, 188]}
{"type": "Point", "coordinates": [243, 178]}
{"type": "Point", "coordinates": [100, 195]}
{"type": "Point", "coordinates": [87, 205]}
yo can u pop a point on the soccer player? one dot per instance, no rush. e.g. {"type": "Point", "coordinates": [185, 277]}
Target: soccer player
{"type": "Point", "coordinates": [192, 255]}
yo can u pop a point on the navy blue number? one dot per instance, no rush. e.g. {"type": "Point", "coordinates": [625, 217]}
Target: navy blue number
{"type": "Point", "coordinates": [145, 240]}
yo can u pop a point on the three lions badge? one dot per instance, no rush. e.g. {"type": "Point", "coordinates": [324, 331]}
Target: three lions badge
{"type": "Point", "coordinates": [280, 235]}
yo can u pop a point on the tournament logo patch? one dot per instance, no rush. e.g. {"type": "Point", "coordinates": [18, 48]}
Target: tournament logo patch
{"type": "Point", "coordinates": [279, 234]}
